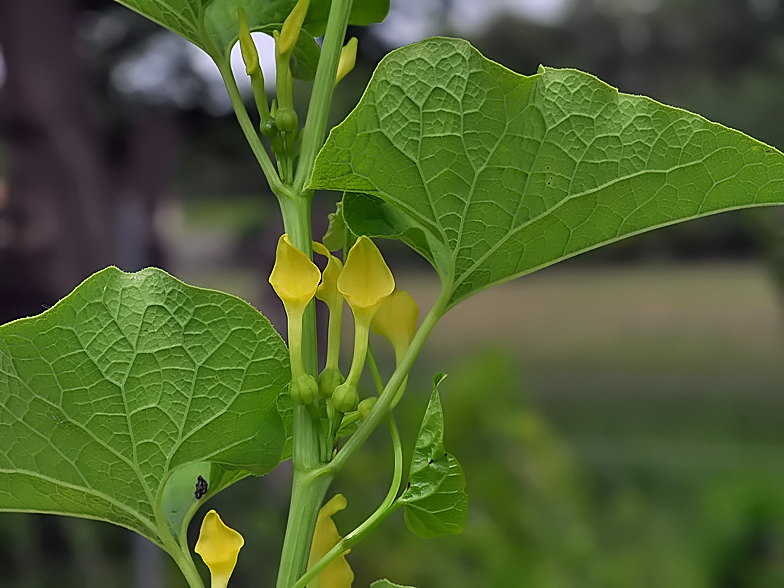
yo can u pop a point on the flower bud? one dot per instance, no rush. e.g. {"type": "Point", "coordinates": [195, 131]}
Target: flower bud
{"type": "Point", "coordinates": [366, 406]}
{"type": "Point", "coordinates": [329, 379]}
{"type": "Point", "coordinates": [250, 55]}
{"type": "Point", "coordinates": [303, 389]}
{"type": "Point", "coordinates": [348, 58]}
{"type": "Point", "coordinates": [345, 398]}
{"type": "Point", "coordinates": [219, 546]}
{"type": "Point", "coordinates": [286, 120]}
{"type": "Point", "coordinates": [291, 27]}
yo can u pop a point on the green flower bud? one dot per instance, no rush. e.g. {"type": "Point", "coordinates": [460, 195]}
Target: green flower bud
{"type": "Point", "coordinates": [286, 119]}
{"type": "Point", "coordinates": [304, 390]}
{"type": "Point", "coordinates": [329, 379]}
{"type": "Point", "coordinates": [345, 398]}
{"type": "Point", "coordinates": [366, 406]}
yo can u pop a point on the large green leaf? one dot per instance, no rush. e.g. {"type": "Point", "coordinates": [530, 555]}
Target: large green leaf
{"type": "Point", "coordinates": [221, 26]}
{"type": "Point", "coordinates": [511, 173]}
{"type": "Point", "coordinates": [130, 379]}
{"type": "Point", "coordinates": [435, 500]}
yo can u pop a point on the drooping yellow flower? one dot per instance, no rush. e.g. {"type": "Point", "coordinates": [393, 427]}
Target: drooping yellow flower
{"type": "Point", "coordinates": [365, 281]}
{"type": "Point", "coordinates": [295, 278]}
{"type": "Point", "coordinates": [396, 320]}
{"type": "Point", "coordinates": [218, 546]}
{"type": "Point", "coordinates": [338, 573]}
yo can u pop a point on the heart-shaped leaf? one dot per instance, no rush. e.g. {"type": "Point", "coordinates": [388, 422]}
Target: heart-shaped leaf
{"type": "Point", "coordinates": [435, 500]}
{"type": "Point", "coordinates": [511, 173]}
{"type": "Point", "coordinates": [131, 381]}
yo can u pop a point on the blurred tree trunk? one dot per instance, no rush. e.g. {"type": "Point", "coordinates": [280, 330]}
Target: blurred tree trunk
{"type": "Point", "coordinates": [58, 208]}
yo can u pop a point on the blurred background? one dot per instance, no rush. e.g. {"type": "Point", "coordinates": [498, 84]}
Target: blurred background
{"type": "Point", "coordinates": [619, 416]}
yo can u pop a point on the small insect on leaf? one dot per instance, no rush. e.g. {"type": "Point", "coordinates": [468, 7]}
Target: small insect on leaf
{"type": "Point", "coordinates": [201, 488]}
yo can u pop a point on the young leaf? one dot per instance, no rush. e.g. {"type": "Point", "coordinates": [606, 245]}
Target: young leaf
{"type": "Point", "coordinates": [435, 500]}
{"type": "Point", "coordinates": [511, 173]}
{"type": "Point", "coordinates": [105, 396]}
{"type": "Point", "coordinates": [387, 584]}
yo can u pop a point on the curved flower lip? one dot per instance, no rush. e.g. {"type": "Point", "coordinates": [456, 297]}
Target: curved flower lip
{"type": "Point", "coordinates": [365, 281]}
{"type": "Point", "coordinates": [396, 319]}
{"type": "Point", "coordinates": [338, 573]}
{"type": "Point", "coordinates": [218, 546]}
{"type": "Point", "coordinates": [295, 278]}
{"type": "Point", "coordinates": [328, 289]}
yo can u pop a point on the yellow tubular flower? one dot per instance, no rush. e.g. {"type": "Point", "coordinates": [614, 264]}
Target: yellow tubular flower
{"type": "Point", "coordinates": [348, 58]}
{"type": "Point", "coordinates": [365, 281]}
{"type": "Point", "coordinates": [295, 278]}
{"type": "Point", "coordinates": [218, 546]}
{"type": "Point", "coordinates": [396, 320]}
{"type": "Point", "coordinates": [338, 573]}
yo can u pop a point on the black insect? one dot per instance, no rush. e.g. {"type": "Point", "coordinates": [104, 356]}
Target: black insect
{"type": "Point", "coordinates": [201, 487]}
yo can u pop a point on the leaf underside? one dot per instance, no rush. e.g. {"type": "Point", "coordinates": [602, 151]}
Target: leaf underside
{"type": "Point", "coordinates": [435, 500]}
{"type": "Point", "coordinates": [126, 380]}
{"type": "Point", "coordinates": [500, 174]}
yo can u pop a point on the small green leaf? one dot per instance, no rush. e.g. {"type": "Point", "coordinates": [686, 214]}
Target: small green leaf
{"type": "Point", "coordinates": [335, 237]}
{"type": "Point", "coordinates": [387, 584]}
{"type": "Point", "coordinates": [511, 173]}
{"type": "Point", "coordinates": [435, 500]}
{"type": "Point", "coordinates": [372, 216]}
{"type": "Point", "coordinates": [117, 398]}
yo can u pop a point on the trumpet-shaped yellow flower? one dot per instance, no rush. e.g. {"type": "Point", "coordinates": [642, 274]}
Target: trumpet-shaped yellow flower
{"type": "Point", "coordinates": [295, 278]}
{"type": "Point", "coordinates": [218, 546]}
{"type": "Point", "coordinates": [338, 573]}
{"type": "Point", "coordinates": [365, 281]}
{"type": "Point", "coordinates": [396, 320]}
{"type": "Point", "coordinates": [328, 289]}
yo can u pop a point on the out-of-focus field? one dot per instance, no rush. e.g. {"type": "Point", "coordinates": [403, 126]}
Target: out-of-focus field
{"type": "Point", "coordinates": [618, 425]}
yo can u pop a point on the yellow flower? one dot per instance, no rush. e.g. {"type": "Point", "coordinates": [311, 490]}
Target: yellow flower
{"type": "Point", "coordinates": [291, 27]}
{"type": "Point", "coordinates": [338, 573]}
{"type": "Point", "coordinates": [218, 546]}
{"type": "Point", "coordinates": [250, 54]}
{"type": "Point", "coordinates": [365, 281]}
{"type": "Point", "coordinates": [328, 289]}
{"type": "Point", "coordinates": [348, 58]}
{"type": "Point", "coordinates": [294, 277]}
{"type": "Point", "coordinates": [396, 320]}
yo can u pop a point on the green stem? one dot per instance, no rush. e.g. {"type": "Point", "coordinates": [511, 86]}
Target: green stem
{"type": "Point", "coordinates": [385, 399]}
{"type": "Point", "coordinates": [248, 129]}
{"type": "Point", "coordinates": [386, 508]}
{"type": "Point", "coordinates": [323, 86]}
{"type": "Point", "coordinates": [188, 569]}
{"type": "Point", "coordinates": [308, 486]}
{"type": "Point", "coordinates": [374, 371]}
